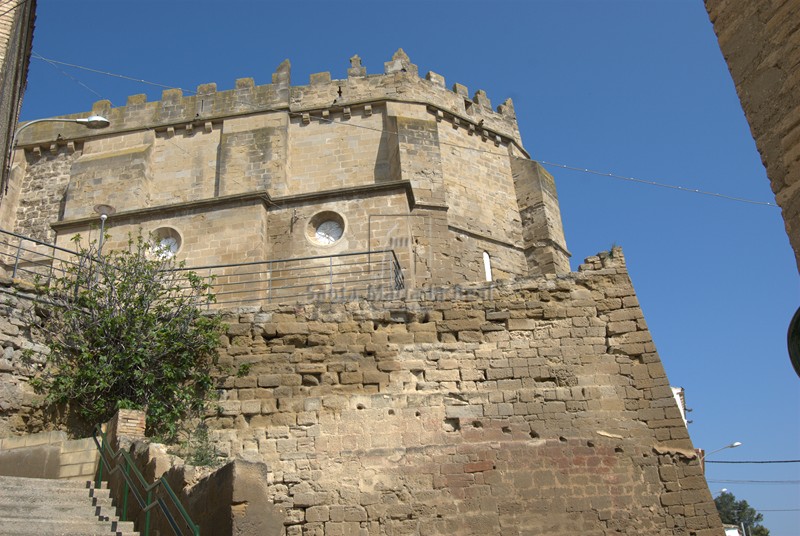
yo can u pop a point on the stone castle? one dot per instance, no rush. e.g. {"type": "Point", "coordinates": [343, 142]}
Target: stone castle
{"type": "Point", "coordinates": [387, 162]}
{"type": "Point", "coordinates": [496, 393]}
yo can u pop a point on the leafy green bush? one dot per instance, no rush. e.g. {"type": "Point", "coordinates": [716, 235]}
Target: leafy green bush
{"type": "Point", "coordinates": [126, 330]}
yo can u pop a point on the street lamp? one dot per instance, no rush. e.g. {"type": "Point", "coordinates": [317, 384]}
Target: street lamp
{"type": "Point", "coordinates": [707, 454]}
{"type": "Point", "coordinates": [731, 446]}
{"type": "Point", "coordinates": [93, 122]}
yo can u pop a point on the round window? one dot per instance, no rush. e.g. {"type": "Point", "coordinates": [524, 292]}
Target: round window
{"type": "Point", "coordinates": [325, 228]}
{"type": "Point", "coordinates": [328, 232]}
{"type": "Point", "coordinates": [166, 242]}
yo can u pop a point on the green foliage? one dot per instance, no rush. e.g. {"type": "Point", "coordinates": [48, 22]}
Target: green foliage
{"type": "Point", "coordinates": [126, 330]}
{"type": "Point", "coordinates": [243, 370]}
{"type": "Point", "coordinates": [737, 512]}
{"type": "Point", "coordinates": [197, 449]}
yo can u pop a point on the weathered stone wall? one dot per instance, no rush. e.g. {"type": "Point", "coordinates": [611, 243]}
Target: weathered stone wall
{"type": "Point", "coordinates": [539, 406]}
{"type": "Point", "coordinates": [513, 408]}
{"type": "Point", "coordinates": [20, 407]}
{"type": "Point", "coordinates": [760, 40]}
{"type": "Point", "coordinates": [240, 175]}
{"type": "Point", "coordinates": [16, 36]}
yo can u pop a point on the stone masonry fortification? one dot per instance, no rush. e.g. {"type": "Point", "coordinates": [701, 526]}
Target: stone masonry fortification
{"type": "Point", "coordinates": [396, 161]}
{"type": "Point", "coordinates": [533, 407]}
{"type": "Point", "coordinates": [531, 401]}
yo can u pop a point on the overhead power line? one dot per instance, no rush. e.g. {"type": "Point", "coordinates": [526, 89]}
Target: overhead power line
{"type": "Point", "coordinates": [55, 63]}
{"type": "Point", "coordinates": [659, 184]}
{"type": "Point", "coordinates": [106, 73]}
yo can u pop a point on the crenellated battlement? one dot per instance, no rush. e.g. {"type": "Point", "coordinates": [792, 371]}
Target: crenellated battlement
{"type": "Point", "coordinates": [323, 96]}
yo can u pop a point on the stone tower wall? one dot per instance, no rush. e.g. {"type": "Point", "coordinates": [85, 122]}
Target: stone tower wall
{"type": "Point", "coordinates": [760, 40]}
{"type": "Point", "coordinates": [239, 175]}
{"type": "Point", "coordinates": [16, 37]}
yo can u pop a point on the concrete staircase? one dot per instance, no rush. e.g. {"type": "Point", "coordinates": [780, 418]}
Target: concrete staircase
{"type": "Point", "coordinates": [44, 507]}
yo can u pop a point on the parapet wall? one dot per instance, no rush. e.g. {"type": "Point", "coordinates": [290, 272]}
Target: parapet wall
{"type": "Point", "coordinates": [534, 407]}
{"type": "Point", "coordinates": [399, 82]}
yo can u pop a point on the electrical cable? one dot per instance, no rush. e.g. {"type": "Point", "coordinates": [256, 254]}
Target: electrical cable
{"type": "Point", "coordinates": [754, 481]}
{"type": "Point", "coordinates": [585, 170]}
{"type": "Point", "coordinates": [659, 184]}
{"type": "Point", "coordinates": [106, 73]}
{"type": "Point", "coordinates": [54, 65]}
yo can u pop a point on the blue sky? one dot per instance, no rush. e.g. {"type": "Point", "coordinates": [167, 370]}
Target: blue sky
{"type": "Point", "coordinates": [637, 88]}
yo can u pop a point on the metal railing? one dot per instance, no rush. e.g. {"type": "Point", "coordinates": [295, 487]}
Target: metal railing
{"type": "Point", "coordinates": [341, 277]}
{"type": "Point", "coordinates": [26, 258]}
{"type": "Point", "coordinates": [148, 496]}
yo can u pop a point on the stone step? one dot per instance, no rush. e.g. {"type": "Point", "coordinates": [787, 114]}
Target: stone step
{"type": "Point", "coordinates": [39, 494]}
{"type": "Point", "coordinates": [64, 527]}
{"type": "Point", "coordinates": [41, 507]}
{"type": "Point", "coordinates": [46, 483]}
{"type": "Point", "coordinates": [106, 510]}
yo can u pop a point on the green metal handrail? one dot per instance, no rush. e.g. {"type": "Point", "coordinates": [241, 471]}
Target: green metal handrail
{"type": "Point", "coordinates": [152, 499]}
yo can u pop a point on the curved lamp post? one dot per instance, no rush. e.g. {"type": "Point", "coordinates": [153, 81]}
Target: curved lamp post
{"type": "Point", "coordinates": [707, 454]}
{"type": "Point", "coordinates": [93, 121]}
{"type": "Point", "coordinates": [731, 446]}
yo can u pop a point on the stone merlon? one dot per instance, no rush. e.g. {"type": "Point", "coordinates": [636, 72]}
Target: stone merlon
{"type": "Point", "coordinates": [399, 83]}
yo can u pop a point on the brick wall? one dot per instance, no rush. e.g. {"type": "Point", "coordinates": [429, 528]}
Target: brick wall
{"type": "Point", "coordinates": [19, 405]}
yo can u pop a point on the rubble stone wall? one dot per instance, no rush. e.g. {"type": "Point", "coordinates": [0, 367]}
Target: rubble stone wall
{"type": "Point", "coordinates": [20, 406]}
{"type": "Point", "coordinates": [536, 406]}
{"type": "Point", "coordinates": [539, 406]}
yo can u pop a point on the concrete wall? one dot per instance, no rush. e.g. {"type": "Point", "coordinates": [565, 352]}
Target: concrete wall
{"type": "Point", "coordinates": [760, 40]}
{"type": "Point", "coordinates": [48, 455]}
